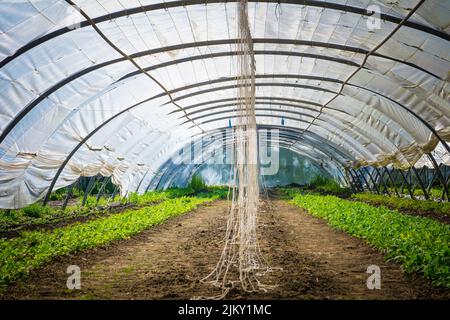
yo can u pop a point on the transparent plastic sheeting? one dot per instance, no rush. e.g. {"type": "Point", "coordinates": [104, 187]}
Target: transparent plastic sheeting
{"type": "Point", "coordinates": [60, 81]}
{"type": "Point", "coordinates": [294, 168]}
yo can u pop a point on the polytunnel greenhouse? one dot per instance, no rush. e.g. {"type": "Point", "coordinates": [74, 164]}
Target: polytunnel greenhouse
{"type": "Point", "coordinates": [204, 149]}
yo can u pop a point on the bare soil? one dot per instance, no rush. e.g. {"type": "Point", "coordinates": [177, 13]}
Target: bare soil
{"type": "Point", "coordinates": [167, 262]}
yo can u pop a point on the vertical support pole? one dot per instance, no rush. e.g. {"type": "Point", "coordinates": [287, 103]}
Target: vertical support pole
{"type": "Point", "coordinates": [448, 181]}
{"type": "Point", "coordinates": [157, 176]}
{"type": "Point", "coordinates": [355, 180]}
{"type": "Point", "coordinates": [113, 194]}
{"type": "Point", "coordinates": [140, 182]}
{"type": "Point", "coordinates": [392, 181]}
{"type": "Point", "coordinates": [440, 176]}
{"type": "Point", "coordinates": [386, 190]}
{"type": "Point", "coordinates": [422, 186]}
{"type": "Point", "coordinates": [358, 180]}
{"type": "Point", "coordinates": [345, 178]}
{"type": "Point", "coordinates": [431, 181]}
{"type": "Point", "coordinates": [350, 180]}
{"type": "Point", "coordinates": [424, 176]}
{"type": "Point", "coordinates": [411, 184]}
{"type": "Point", "coordinates": [102, 188]}
{"type": "Point", "coordinates": [88, 190]}
{"type": "Point", "coordinates": [366, 182]}
{"type": "Point", "coordinates": [373, 181]}
{"type": "Point", "coordinates": [402, 186]}
{"type": "Point", "coordinates": [407, 184]}
{"type": "Point", "coordinates": [69, 194]}
{"type": "Point", "coordinates": [361, 173]}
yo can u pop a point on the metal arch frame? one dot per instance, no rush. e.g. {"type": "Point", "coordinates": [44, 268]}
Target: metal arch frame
{"type": "Point", "coordinates": [184, 88]}
{"type": "Point", "coordinates": [26, 110]}
{"type": "Point", "coordinates": [194, 170]}
{"type": "Point", "coordinates": [325, 79]}
{"type": "Point", "coordinates": [51, 90]}
{"type": "Point", "coordinates": [83, 72]}
{"type": "Point", "coordinates": [106, 180]}
{"type": "Point", "coordinates": [374, 183]}
{"type": "Point", "coordinates": [235, 53]}
{"type": "Point", "coordinates": [433, 131]}
{"type": "Point", "coordinates": [283, 132]}
{"type": "Point", "coordinates": [296, 85]}
{"type": "Point", "coordinates": [262, 84]}
{"type": "Point", "coordinates": [90, 186]}
{"type": "Point", "coordinates": [298, 137]}
{"type": "Point", "coordinates": [346, 139]}
{"type": "Point", "coordinates": [361, 175]}
{"type": "Point", "coordinates": [394, 185]}
{"type": "Point", "coordinates": [440, 176]}
{"type": "Point", "coordinates": [201, 104]}
{"type": "Point", "coordinates": [408, 184]}
{"type": "Point", "coordinates": [421, 183]}
{"type": "Point", "coordinates": [357, 130]}
{"type": "Point", "coordinates": [229, 110]}
{"type": "Point", "coordinates": [359, 186]}
{"type": "Point", "coordinates": [135, 105]}
{"type": "Point", "coordinates": [172, 169]}
{"type": "Point", "coordinates": [142, 180]}
{"type": "Point", "coordinates": [157, 173]}
{"type": "Point", "coordinates": [83, 141]}
{"type": "Point", "coordinates": [168, 176]}
{"type": "Point", "coordinates": [288, 136]}
{"type": "Point", "coordinates": [268, 116]}
{"type": "Point", "coordinates": [295, 106]}
{"type": "Point", "coordinates": [411, 112]}
{"type": "Point", "coordinates": [311, 137]}
{"type": "Point", "coordinates": [174, 102]}
{"type": "Point", "coordinates": [163, 95]}
{"type": "Point", "coordinates": [291, 146]}
{"type": "Point", "coordinates": [173, 4]}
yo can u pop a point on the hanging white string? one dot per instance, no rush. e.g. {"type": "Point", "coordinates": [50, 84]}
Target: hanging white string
{"type": "Point", "coordinates": [241, 263]}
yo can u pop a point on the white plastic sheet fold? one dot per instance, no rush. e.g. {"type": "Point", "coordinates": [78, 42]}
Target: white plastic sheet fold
{"type": "Point", "coordinates": [60, 81]}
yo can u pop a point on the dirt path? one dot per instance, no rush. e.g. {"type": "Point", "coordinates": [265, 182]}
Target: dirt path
{"type": "Point", "coordinates": [167, 261]}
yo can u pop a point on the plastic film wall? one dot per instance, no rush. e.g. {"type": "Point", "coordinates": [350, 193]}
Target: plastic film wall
{"type": "Point", "coordinates": [117, 87]}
